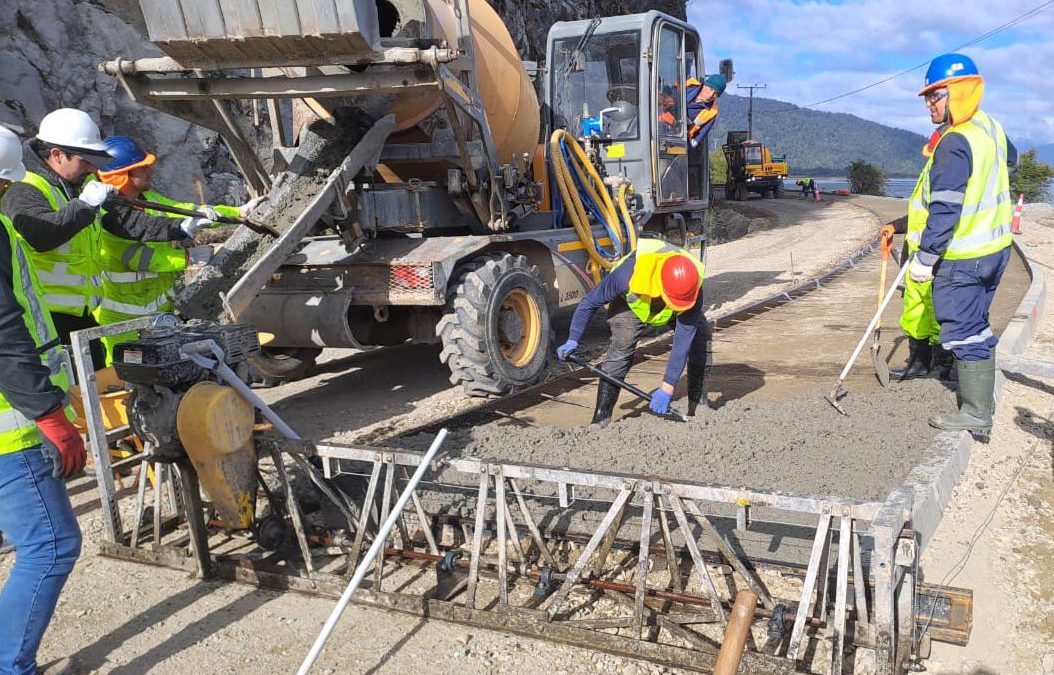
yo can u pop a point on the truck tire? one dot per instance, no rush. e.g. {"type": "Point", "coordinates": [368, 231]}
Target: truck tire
{"type": "Point", "coordinates": [779, 190]}
{"type": "Point", "coordinates": [741, 192]}
{"type": "Point", "coordinates": [278, 365]}
{"type": "Point", "coordinates": [495, 327]}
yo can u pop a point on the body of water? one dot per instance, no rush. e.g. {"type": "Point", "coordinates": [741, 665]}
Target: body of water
{"type": "Point", "coordinates": [895, 187]}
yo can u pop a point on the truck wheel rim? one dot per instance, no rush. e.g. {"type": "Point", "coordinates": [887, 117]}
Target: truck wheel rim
{"type": "Point", "coordinates": [519, 327]}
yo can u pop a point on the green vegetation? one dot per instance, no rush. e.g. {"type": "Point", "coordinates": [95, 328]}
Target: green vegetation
{"type": "Point", "coordinates": [865, 178]}
{"type": "Point", "coordinates": [718, 166]}
{"type": "Point", "coordinates": [821, 143]}
{"type": "Point", "coordinates": [1031, 178]}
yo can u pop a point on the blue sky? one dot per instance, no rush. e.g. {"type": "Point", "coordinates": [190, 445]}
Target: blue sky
{"type": "Point", "coordinates": [810, 50]}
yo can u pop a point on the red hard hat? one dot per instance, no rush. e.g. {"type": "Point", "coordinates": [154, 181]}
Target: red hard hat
{"type": "Point", "coordinates": [680, 282]}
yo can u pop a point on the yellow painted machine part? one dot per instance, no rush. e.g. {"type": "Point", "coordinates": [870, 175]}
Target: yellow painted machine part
{"type": "Point", "coordinates": [618, 221]}
{"type": "Point", "coordinates": [113, 398]}
{"type": "Point", "coordinates": [215, 426]}
{"type": "Point", "coordinates": [503, 85]}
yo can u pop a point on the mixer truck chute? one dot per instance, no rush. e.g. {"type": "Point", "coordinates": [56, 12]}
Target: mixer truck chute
{"type": "Point", "coordinates": [420, 208]}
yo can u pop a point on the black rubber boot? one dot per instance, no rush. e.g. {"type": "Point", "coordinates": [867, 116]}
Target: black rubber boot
{"type": "Point", "coordinates": [607, 397]}
{"type": "Point", "coordinates": [697, 378]}
{"type": "Point", "coordinates": [942, 364]}
{"type": "Point", "coordinates": [977, 399]}
{"type": "Point", "coordinates": [919, 358]}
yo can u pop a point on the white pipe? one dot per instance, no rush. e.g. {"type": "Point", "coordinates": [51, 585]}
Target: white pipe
{"type": "Point", "coordinates": [378, 542]}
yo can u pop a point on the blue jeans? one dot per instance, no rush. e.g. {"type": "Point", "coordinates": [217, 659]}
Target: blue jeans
{"type": "Point", "coordinates": [37, 518]}
{"type": "Point", "coordinates": [962, 295]}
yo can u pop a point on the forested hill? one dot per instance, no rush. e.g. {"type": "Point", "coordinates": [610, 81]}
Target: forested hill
{"type": "Point", "coordinates": [820, 142]}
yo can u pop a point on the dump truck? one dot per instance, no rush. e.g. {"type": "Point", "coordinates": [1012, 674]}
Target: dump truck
{"type": "Point", "coordinates": [751, 168]}
{"type": "Point", "coordinates": [415, 199]}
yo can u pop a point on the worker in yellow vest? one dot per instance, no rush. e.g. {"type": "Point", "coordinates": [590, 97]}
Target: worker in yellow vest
{"type": "Point", "coordinates": [39, 446]}
{"type": "Point", "coordinates": [139, 278]}
{"type": "Point", "coordinates": [656, 284]}
{"type": "Point", "coordinates": [58, 215]}
{"type": "Point", "coordinates": [959, 221]}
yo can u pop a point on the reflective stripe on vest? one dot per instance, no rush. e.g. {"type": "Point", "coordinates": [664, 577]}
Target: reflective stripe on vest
{"type": "Point", "coordinates": [984, 223]}
{"type": "Point", "coordinates": [68, 273]}
{"type": "Point", "coordinates": [135, 310]}
{"type": "Point", "coordinates": [18, 432]}
{"type": "Point", "coordinates": [641, 305]}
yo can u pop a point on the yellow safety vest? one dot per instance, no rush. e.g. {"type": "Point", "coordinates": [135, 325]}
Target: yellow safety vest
{"type": "Point", "coordinates": [643, 277]}
{"type": "Point", "coordinates": [138, 278]}
{"type": "Point", "coordinates": [984, 225]}
{"type": "Point", "coordinates": [18, 432]}
{"type": "Point", "coordinates": [69, 273]}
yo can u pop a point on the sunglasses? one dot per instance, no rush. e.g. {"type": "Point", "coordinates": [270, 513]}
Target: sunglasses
{"type": "Point", "coordinates": [935, 96]}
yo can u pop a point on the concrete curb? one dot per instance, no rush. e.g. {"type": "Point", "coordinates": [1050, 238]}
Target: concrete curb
{"type": "Point", "coordinates": [934, 481]}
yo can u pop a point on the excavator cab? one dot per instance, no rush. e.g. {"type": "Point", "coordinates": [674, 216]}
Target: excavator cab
{"type": "Point", "coordinates": [618, 85]}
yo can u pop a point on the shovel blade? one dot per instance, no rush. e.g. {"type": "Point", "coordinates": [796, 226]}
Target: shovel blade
{"type": "Point", "coordinates": [881, 367]}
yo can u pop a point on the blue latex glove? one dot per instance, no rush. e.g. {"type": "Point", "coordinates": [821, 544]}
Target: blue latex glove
{"type": "Point", "coordinates": [565, 349]}
{"type": "Point", "coordinates": [660, 401]}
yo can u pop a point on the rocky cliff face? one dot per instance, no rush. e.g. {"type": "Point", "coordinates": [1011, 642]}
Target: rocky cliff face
{"type": "Point", "coordinates": [49, 50]}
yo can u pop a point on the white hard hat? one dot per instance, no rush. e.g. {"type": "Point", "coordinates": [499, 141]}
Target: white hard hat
{"type": "Point", "coordinates": [73, 130]}
{"type": "Point", "coordinates": [11, 167]}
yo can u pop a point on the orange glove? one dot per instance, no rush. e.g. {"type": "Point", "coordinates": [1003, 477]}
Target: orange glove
{"type": "Point", "coordinates": [67, 447]}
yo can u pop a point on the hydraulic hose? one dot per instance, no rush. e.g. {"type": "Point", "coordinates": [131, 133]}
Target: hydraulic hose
{"type": "Point", "coordinates": [584, 192]}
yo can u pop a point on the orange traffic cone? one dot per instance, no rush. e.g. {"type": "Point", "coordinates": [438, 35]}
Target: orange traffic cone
{"type": "Point", "coordinates": [1015, 222]}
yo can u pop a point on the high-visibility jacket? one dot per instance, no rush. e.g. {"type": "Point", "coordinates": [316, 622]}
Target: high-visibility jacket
{"type": "Point", "coordinates": [138, 278]}
{"type": "Point", "coordinates": [18, 432]}
{"type": "Point", "coordinates": [646, 281]}
{"type": "Point", "coordinates": [68, 274]}
{"type": "Point", "coordinates": [984, 223]}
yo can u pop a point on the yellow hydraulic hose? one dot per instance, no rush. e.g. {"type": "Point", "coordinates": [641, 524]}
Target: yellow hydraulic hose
{"type": "Point", "coordinates": [622, 229]}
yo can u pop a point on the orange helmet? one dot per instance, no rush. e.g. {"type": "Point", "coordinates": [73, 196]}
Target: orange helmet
{"type": "Point", "coordinates": [680, 282]}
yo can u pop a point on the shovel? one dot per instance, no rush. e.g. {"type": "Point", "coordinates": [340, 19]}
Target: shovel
{"type": "Point", "coordinates": [254, 225]}
{"type": "Point", "coordinates": [839, 390]}
{"type": "Point", "coordinates": [620, 383]}
{"type": "Point", "coordinates": [881, 367]}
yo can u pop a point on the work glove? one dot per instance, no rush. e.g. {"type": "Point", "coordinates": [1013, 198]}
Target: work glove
{"type": "Point", "coordinates": [191, 225]}
{"type": "Point", "coordinates": [210, 212]}
{"type": "Point", "coordinates": [199, 255]}
{"type": "Point", "coordinates": [95, 193]}
{"type": "Point", "coordinates": [247, 208]}
{"type": "Point", "coordinates": [564, 350]}
{"type": "Point", "coordinates": [660, 401]}
{"type": "Point", "coordinates": [62, 443]}
{"type": "Point", "coordinates": [920, 273]}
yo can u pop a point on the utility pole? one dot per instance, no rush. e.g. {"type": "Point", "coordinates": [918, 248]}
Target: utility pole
{"type": "Point", "coordinates": [750, 109]}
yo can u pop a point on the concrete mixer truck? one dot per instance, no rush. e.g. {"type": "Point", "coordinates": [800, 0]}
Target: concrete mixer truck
{"type": "Point", "coordinates": [421, 192]}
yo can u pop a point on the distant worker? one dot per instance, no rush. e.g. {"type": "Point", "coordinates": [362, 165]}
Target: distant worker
{"type": "Point", "coordinates": [959, 224]}
{"type": "Point", "coordinates": [702, 105]}
{"type": "Point", "coordinates": [652, 286]}
{"type": "Point", "coordinates": [39, 447]}
{"type": "Point", "coordinates": [59, 216]}
{"type": "Point", "coordinates": [808, 187]}
{"type": "Point", "coordinates": [138, 278]}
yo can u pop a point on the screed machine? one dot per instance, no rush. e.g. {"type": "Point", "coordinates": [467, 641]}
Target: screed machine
{"type": "Point", "coordinates": [420, 207]}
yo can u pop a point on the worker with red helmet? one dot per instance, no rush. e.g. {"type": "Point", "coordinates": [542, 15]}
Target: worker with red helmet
{"type": "Point", "coordinates": [650, 287]}
{"type": "Point", "coordinates": [959, 231]}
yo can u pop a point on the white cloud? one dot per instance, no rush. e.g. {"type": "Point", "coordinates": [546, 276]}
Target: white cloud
{"type": "Point", "coordinates": [813, 51]}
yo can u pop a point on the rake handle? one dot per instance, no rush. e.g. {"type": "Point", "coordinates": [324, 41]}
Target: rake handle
{"type": "Point", "coordinates": [874, 321]}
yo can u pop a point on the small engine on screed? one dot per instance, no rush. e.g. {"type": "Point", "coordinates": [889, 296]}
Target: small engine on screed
{"type": "Point", "coordinates": [183, 411]}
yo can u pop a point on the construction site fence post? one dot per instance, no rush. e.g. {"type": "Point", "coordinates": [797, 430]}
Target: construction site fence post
{"type": "Point", "coordinates": [378, 543]}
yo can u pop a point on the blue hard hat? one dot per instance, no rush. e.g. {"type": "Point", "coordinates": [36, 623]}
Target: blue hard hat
{"type": "Point", "coordinates": [717, 82]}
{"type": "Point", "coordinates": [126, 153]}
{"type": "Point", "coordinates": [947, 67]}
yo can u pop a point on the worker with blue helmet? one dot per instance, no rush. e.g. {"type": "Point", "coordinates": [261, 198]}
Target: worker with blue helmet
{"type": "Point", "coordinates": [702, 105]}
{"type": "Point", "coordinates": [959, 236]}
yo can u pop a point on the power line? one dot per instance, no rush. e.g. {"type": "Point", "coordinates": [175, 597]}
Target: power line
{"type": "Point", "coordinates": [999, 29]}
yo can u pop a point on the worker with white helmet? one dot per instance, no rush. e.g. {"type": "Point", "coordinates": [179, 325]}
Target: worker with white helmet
{"type": "Point", "coordinates": [39, 446]}
{"type": "Point", "coordinates": [60, 217]}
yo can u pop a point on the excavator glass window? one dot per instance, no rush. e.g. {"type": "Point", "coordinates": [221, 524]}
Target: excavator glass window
{"type": "Point", "coordinates": [752, 154]}
{"type": "Point", "coordinates": [595, 85]}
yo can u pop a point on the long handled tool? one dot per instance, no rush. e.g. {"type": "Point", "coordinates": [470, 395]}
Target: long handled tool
{"type": "Point", "coordinates": [621, 383]}
{"type": "Point", "coordinates": [881, 367]}
{"type": "Point", "coordinates": [839, 390]}
{"type": "Point", "coordinates": [254, 225]}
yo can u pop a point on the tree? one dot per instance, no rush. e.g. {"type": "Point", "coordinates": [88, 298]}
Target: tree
{"type": "Point", "coordinates": [865, 178]}
{"type": "Point", "coordinates": [718, 166]}
{"type": "Point", "coordinates": [1032, 177]}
